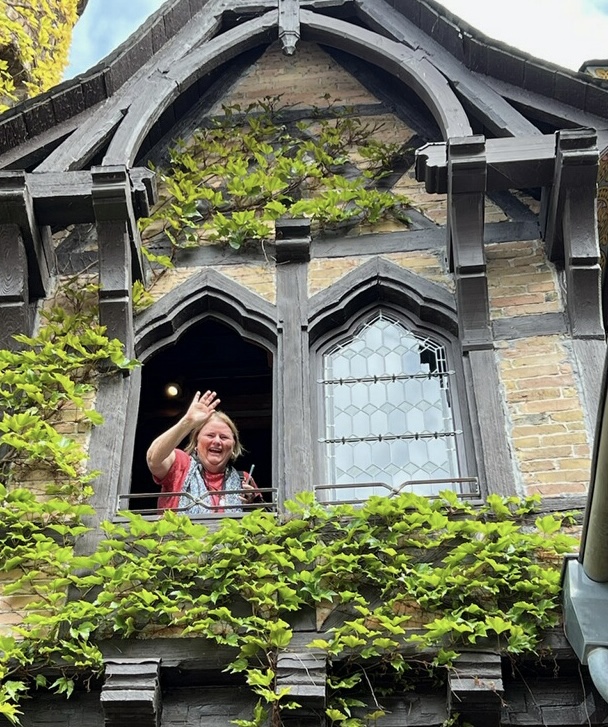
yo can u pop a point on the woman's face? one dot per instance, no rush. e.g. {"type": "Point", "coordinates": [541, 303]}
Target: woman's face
{"type": "Point", "coordinates": [214, 445]}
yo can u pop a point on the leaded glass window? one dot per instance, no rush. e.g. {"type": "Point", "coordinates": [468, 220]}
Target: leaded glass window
{"type": "Point", "coordinates": [389, 415]}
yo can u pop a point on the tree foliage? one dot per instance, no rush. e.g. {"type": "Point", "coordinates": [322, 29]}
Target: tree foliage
{"type": "Point", "coordinates": [34, 46]}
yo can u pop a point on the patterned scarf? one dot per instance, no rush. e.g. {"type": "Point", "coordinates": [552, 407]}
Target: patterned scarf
{"type": "Point", "coordinates": [202, 503]}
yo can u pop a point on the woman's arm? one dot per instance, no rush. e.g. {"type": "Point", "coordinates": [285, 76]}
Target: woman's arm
{"type": "Point", "coordinates": [161, 455]}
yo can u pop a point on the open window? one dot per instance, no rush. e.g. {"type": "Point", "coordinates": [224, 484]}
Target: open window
{"type": "Point", "coordinates": [389, 419]}
{"type": "Point", "coordinates": [210, 354]}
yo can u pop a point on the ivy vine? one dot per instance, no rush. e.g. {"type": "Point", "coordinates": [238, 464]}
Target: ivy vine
{"type": "Point", "coordinates": [415, 580]}
{"type": "Point", "coordinates": [236, 176]}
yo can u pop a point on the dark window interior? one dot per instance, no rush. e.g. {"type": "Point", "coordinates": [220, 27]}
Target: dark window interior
{"type": "Point", "coordinates": [210, 355]}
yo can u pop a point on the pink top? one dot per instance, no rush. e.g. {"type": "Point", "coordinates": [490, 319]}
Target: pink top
{"type": "Point", "coordinates": [173, 481]}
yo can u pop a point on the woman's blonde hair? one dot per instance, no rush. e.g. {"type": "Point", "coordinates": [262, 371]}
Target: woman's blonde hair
{"type": "Point", "coordinates": [237, 447]}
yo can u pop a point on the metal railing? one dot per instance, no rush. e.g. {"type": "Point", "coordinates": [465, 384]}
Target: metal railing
{"type": "Point", "coordinates": [204, 501]}
{"type": "Point", "coordinates": [473, 494]}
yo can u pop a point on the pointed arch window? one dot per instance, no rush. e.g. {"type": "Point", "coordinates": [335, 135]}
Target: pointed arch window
{"type": "Point", "coordinates": [390, 420]}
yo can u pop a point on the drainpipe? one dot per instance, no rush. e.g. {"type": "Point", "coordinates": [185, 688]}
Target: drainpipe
{"type": "Point", "coordinates": [585, 577]}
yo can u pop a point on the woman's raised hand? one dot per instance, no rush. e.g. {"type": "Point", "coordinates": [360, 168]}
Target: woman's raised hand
{"type": "Point", "coordinates": [201, 408]}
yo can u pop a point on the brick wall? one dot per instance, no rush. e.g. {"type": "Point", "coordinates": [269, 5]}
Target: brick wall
{"type": "Point", "coordinates": [520, 280]}
{"type": "Point", "coordinates": [259, 279]}
{"type": "Point", "coordinates": [547, 427]}
{"type": "Point", "coordinates": [302, 79]}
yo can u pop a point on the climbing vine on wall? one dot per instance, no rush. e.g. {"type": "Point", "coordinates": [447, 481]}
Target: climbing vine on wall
{"type": "Point", "coordinates": [251, 166]}
{"type": "Point", "coordinates": [464, 576]}
{"type": "Point", "coordinates": [34, 46]}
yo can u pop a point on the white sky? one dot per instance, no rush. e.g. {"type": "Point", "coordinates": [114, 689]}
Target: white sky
{"type": "Point", "coordinates": [566, 32]}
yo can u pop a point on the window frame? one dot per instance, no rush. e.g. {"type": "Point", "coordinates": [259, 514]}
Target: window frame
{"type": "Point", "coordinates": [411, 322]}
{"type": "Point", "coordinates": [206, 294]}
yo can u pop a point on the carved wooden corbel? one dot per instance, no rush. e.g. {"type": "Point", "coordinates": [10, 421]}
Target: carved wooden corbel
{"type": "Point", "coordinates": [476, 688]}
{"type": "Point", "coordinates": [571, 228]}
{"type": "Point", "coordinates": [467, 182]}
{"type": "Point", "coordinates": [113, 212]}
{"type": "Point", "coordinates": [131, 694]}
{"type": "Point", "coordinates": [304, 672]}
{"type": "Point", "coordinates": [289, 25]}
{"type": "Point", "coordinates": [26, 257]}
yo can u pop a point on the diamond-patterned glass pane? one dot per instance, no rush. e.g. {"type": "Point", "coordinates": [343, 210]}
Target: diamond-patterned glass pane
{"type": "Point", "coordinates": [387, 411]}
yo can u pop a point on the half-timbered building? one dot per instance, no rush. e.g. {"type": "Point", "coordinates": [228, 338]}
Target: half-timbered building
{"type": "Point", "coordinates": [489, 295]}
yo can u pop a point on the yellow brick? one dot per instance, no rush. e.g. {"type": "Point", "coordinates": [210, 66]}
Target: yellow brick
{"type": "Point", "coordinates": [555, 440]}
{"type": "Point", "coordinates": [550, 405]}
{"type": "Point", "coordinates": [546, 452]}
{"type": "Point", "coordinates": [568, 416]}
{"type": "Point", "coordinates": [529, 310]}
{"type": "Point", "coordinates": [526, 442]}
{"type": "Point", "coordinates": [557, 489]}
{"type": "Point", "coordinates": [584, 464]}
{"type": "Point", "coordinates": [538, 465]}
{"type": "Point", "coordinates": [526, 395]}
{"type": "Point", "coordinates": [537, 430]}
{"type": "Point", "coordinates": [542, 382]}
{"type": "Point", "coordinates": [570, 476]}
{"type": "Point", "coordinates": [531, 372]}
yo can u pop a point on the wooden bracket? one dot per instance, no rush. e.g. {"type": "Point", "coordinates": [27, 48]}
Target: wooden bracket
{"type": "Point", "coordinates": [571, 228]}
{"type": "Point", "coordinates": [15, 310]}
{"type": "Point", "coordinates": [576, 166]}
{"type": "Point", "coordinates": [110, 193]}
{"type": "Point", "coordinates": [131, 694]}
{"type": "Point", "coordinates": [292, 240]}
{"type": "Point", "coordinates": [17, 208]}
{"type": "Point", "coordinates": [476, 688]}
{"type": "Point", "coordinates": [467, 181]}
{"type": "Point", "coordinates": [305, 673]}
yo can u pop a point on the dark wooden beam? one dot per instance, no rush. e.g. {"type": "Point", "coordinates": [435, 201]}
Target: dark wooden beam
{"type": "Point", "coordinates": [547, 98]}
{"type": "Point", "coordinates": [467, 175]}
{"type": "Point", "coordinates": [571, 228]}
{"type": "Point", "coordinates": [486, 105]}
{"type": "Point", "coordinates": [493, 454]}
{"type": "Point", "coordinates": [17, 208]}
{"type": "Point", "coordinates": [111, 200]}
{"type": "Point", "coordinates": [409, 66]}
{"type": "Point", "coordinates": [60, 199]}
{"type": "Point", "coordinates": [14, 293]}
{"type": "Point", "coordinates": [173, 37]}
{"type": "Point", "coordinates": [295, 445]}
{"type": "Point", "coordinates": [518, 163]}
{"type": "Point", "coordinates": [110, 197]}
{"type": "Point", "coordinates": [154, 94]}
{"type": "Point", "coordinates": [576, 164]}
{"type": "Point", "coordinates": [304, 672]}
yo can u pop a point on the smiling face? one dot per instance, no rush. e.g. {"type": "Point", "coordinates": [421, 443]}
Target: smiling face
{"type": "Point", "coordinates": [215, 445]}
